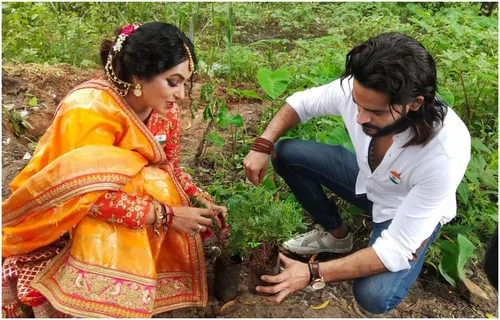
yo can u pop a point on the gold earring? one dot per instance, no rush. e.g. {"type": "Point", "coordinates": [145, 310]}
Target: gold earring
{"type": "Point", "coordinates": [138, 90]}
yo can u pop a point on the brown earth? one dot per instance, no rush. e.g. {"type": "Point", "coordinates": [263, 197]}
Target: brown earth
{"type": "Point", "coordinates": [430, 297]}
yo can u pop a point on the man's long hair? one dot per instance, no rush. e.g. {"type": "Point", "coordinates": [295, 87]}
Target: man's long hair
{"type": "Point", "coordinates": [399, 66]}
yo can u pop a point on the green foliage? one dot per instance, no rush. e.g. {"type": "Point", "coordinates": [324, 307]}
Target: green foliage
{"type": "Point", "coordinates": [454, 258]}
{"type": "Point", "coordinates": [257, 217]}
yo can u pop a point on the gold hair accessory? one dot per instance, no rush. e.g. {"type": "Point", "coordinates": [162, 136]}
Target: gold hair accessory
{"type": "Point", "coordinates": [191, 64]}
{"type": "Point", "coordinates": [108, 68]}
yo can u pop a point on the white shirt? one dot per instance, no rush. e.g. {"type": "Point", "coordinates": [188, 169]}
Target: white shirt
{"type": "Point", "coordinates": [415, 186]}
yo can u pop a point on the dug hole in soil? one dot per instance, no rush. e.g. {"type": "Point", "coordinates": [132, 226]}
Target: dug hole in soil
{"type": "Point", "coordinates": [430, 296]}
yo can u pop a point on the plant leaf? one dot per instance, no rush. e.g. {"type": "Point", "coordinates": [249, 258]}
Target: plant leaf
{"type": "Point", "coordinates": [227, 305]}
{"type": "Point", "coordinates": [321, 306]}
{"type": "Point", "coordinates": [235, 119]}
{"type": "Point", "coordinates": [273, 83]}
{"type": "Point", "coordinates": [466, 252]}
{"type": "Point", "coordinates": [215, 138]}
{"type": "Point", "coordinates": [446, 96]}
{"type": "Point", "coordinates": [454, 258]}
{"type": "Point", "coordinates": [268, 185]}
{"type": "Point", "coordinates": [33, 102]}
{"type": "Point", "coordinates": [249, 94]}
{"type": "Point", "coordinates": [463, 193]}
{"type": "Point", "coordinates": [207, 113]}
{"type": "Point", "coordinates": [479, 145]}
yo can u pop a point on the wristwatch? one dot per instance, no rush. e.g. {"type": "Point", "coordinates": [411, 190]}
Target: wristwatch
{"type": "Point", "coordinates": [316, 280]}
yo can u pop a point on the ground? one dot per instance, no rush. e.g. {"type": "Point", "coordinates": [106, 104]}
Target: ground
{"type": "Point", "coordinates": [430, 297]}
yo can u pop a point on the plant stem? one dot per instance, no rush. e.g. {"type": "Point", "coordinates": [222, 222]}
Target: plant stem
{"type": "Point", "coordinates": [444, 235]}
{"type": "Point", "coordinates": [477, 98]}
{"type": "Point", "coordinates": [467, 104]}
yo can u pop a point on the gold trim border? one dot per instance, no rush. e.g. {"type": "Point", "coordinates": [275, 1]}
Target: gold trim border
{"type": "Point", "coordinates": [64, 191]}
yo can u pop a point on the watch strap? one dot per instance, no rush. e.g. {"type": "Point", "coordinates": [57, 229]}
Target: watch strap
{"type": "Point", "coordinates": [310, 273]}
{"type": "Point", "coordinates": [314, 270]}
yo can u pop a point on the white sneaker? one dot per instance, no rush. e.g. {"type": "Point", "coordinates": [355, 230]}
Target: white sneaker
{"type": "Point", "coordinates": [318, 240]}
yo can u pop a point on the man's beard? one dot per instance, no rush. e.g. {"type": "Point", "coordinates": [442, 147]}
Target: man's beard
{"type": "Point", "coordinates": [397, 126]}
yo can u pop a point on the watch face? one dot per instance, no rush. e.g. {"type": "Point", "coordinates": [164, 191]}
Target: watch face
{"type": "Point", "coordinates": [320, 284]}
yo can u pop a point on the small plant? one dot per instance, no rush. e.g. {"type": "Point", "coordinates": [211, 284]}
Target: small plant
{"type": "Point", "coordinates": [259, 222]}
{"type": "Point", "coordinates": [257, 218]}
{"type": "Point", "coordinates": [454, 258]}
{"type": "Point", "coordinates": [216, 113]}
{"type": "Point", "coordinates": [19, 123]}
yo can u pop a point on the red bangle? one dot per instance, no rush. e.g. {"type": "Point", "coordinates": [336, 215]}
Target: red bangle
{"type": "Point", "coordinates": [170, 214]}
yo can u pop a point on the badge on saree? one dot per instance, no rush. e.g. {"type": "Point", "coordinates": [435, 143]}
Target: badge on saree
{"type": "Point", "coordinates": [161, 138]}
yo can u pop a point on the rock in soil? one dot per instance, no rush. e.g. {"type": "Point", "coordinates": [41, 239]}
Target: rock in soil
{"type": "Point", "coordinates": [472, 292]}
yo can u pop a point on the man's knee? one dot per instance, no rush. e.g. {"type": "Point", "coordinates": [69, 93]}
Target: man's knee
{"type": "Point", "coordinates": [373, 295]}
{"type": "Point", "coordinates": [283, 150]}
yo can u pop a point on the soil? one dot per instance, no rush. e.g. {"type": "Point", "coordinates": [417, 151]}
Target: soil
{"type": "Point", "coordinates": [429, 297]}
{"type": "Point", "coordinates": [264, 260]}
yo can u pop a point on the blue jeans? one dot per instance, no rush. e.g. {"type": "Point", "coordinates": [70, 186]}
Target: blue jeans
{"type": "Point", "coordinates": [306, 166]}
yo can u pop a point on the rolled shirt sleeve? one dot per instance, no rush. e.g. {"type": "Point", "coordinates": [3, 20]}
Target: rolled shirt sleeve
{"type": "Point", "coordinates": [434, 190]}
{"type": "Point", "coordinates": [328, 99]}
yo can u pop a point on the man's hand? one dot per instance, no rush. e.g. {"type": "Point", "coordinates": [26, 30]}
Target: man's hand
{"type": "Point", "coordinates": [255, 166]}
{"type": "Point", "coordinates": [294, 277]}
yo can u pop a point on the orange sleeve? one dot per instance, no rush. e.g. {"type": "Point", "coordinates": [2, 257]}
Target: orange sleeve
{"type": "Point", "coordinates": [123, 208]}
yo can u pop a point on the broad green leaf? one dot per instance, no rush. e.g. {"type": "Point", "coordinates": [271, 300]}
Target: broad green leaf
{"type": "Point", "coordinates": [222, 122]}
{"type": "Point", "coordinates": [269, 185]}
{"type": "Point", "coordinates": [494, 161]}
{"type": "Point", "coordinates": [479, 145]}
{"type": "Point", "coordinates": [490, 178]}
{"type": "Point", "coordinates": [207, 113]}
{"type": "Point", "coordinates": [339, 136]}
{"type": "Point", "coordinates": [222, 110]}
{"type": "Point", "coordinates": [273, 83]}
{"type": "Point", "coordinates": [446, 96]}
{"type": "Point", "coordinates": [466, 252]}
{"type": "Point", "coordinates": [446, 276]}
{"type": "Point", "coordinates": [463, 193]}
{"type": "Point", "coordinates": [249, 94]}
{"type": "Point", "coordinates": [454, 258]}
{"type": "Point", "coordinates": [33, 102]}
{"type": "Point", "coordinates": [494, 217]}
{"type": "Point", "coordinates": [215, 138]}
{"type": "Point", "coordinates": [235, 119]}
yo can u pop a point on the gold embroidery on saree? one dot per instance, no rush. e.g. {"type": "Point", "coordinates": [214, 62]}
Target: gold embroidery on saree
{"type": "Point", "coordinates": [85, 290]}
{"type": "Point", "coordinates": [65, 191]}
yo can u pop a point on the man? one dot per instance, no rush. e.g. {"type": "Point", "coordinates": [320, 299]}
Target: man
{"type": "Point", "coordinates": [411, 152]}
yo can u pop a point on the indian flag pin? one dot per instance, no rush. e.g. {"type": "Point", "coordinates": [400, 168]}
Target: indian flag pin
{"type": "Point", "coordinates": [395, 177]}
{"type": "Point", "coordinates": [161, 138]}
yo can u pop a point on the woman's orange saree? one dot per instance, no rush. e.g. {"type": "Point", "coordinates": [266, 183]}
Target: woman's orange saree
{"type": "Point", "coordinates": [95, 144]}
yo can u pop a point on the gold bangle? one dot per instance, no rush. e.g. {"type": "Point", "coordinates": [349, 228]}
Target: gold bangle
{"type": "Point", "coordinates": [158, 216]}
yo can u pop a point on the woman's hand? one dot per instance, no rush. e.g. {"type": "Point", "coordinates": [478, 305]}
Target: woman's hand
{"type": "Point", "coordinates": [221, 211]}
{"type": "Point", "coordinates": [189, 219]}
{"type": "Point", "coordinates": [294, 277]}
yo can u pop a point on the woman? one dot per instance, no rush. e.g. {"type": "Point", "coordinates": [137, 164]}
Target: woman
{"type": "Point", "coordinates": [99, 223]}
